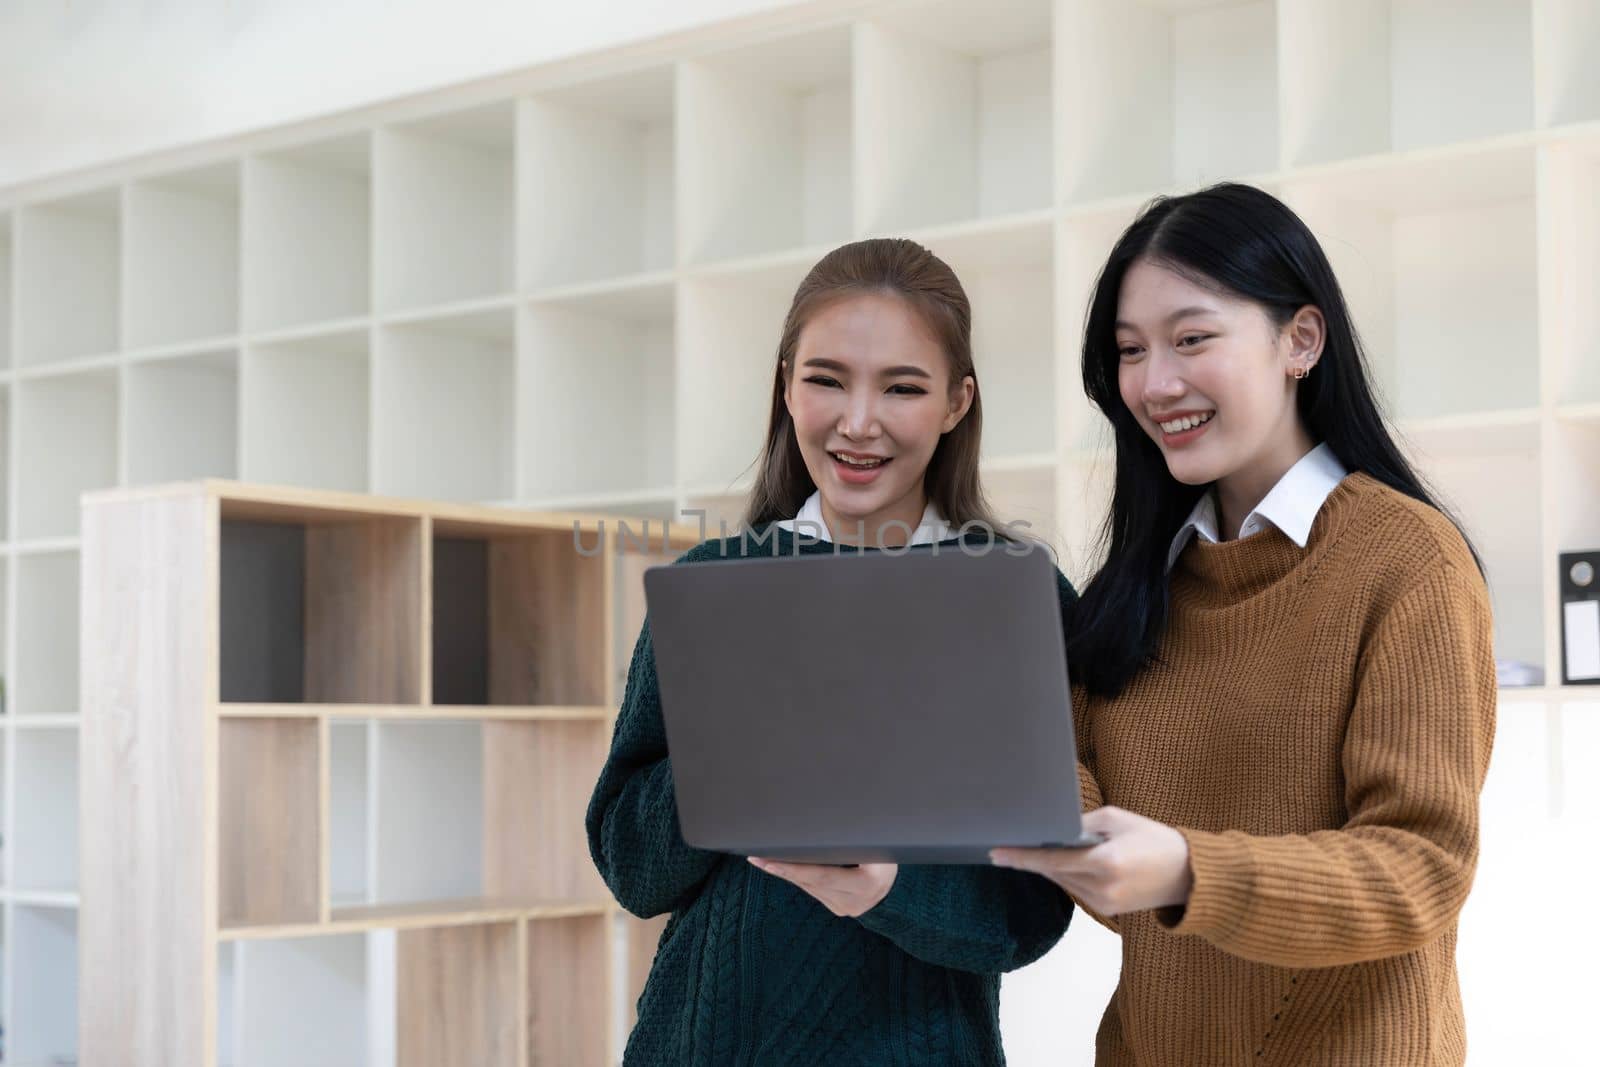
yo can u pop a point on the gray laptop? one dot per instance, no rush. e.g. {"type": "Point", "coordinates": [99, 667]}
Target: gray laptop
{"type": "Point", "coordinates": [861, 708]}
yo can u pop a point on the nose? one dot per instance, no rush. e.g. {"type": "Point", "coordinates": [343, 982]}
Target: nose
{"type": "Point", "coordinates": [1162, 382]}
{"type": "Point", "coordinates": [859, 419]}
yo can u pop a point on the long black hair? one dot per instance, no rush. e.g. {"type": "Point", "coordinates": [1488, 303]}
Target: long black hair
{"type": "Point", "coordinates": [1242, 241]}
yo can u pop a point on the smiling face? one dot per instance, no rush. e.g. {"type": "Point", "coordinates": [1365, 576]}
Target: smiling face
{"type": "Point", "coordinates": [1209, 377]}
{"type": "Point", "coordinates": [870, 395]}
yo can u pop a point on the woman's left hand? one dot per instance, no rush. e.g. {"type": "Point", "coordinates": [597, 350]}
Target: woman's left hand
{"type": "Point", "coordinates": [1141, 864]}
{"type": "Point", "coordinates": [846, 891]}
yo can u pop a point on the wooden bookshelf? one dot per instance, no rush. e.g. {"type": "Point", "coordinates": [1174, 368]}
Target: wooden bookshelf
{"type": "Point", "coordinates": [268, 787]}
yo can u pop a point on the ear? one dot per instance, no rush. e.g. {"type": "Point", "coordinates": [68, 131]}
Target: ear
{"type": "Point", "coordinates": [1304, 336]}
{"type": "Point", "coordinates": [960, 402]}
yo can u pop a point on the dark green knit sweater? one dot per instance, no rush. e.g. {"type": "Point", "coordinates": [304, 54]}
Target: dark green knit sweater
{"type": "Point", "coordinates": [751, 970]}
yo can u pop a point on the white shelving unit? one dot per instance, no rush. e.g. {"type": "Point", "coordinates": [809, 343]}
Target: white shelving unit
{"type": "Point", "coordinates": [305, 411]}
{"type": "Point", "coordinates": [181, 257]}
{"type": "Point", "coordinates": [596, 176]}
{"type": "Point", "coordinates": [307, 247]}
{"type": "Point", "coordinates": [182, 418]}
{"type": "Point", "coordinates": [449, 379]}
{"type": "Point", "coordinates": [955, 100]}
{"type": "Point", "coordinates": [443, 204]}
{"type": "Point", "coordinates": [563, 288]}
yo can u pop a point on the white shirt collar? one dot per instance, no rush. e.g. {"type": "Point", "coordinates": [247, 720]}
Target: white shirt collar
{"type": "Point", "coordinates": [1291, 506]}
{"type": "Point", "coordinates": [932, 527]}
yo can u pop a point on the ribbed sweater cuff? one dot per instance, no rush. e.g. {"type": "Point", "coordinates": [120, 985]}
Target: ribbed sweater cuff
{"type": "Point", "coordinates": [1224, 874]}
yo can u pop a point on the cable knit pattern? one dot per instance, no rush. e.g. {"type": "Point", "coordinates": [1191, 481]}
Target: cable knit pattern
{"type": "Point", "coordinates": [1318, 725]}
{"type": "Point", "coordinates": [751, 970]}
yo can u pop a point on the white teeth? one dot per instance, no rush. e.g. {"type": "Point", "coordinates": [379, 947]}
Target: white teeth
{"type": "Point", "coordinates": [1188, 422]}
{"type": "Point", "coordinates": [857, 462]}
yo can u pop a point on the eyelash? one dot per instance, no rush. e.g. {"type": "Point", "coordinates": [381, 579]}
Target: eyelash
{"type": "Point", "coordinates": [1128, 351]}
{"type": "Point", "coordinates": [910, 390]}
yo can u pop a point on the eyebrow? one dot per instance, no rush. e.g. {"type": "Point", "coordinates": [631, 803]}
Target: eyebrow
{"type": "Point", "coordinates": [905, 370]}
{"type": "Point", "coordinates": [1181, 313]}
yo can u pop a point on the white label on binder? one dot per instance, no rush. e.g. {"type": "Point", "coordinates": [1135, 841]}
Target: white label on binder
{"type": "Point", "coordinates": [1583, 639]}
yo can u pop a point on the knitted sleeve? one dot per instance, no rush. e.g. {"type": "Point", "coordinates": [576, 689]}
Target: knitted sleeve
{"type": "Point", "coordinates": [632, 820]}
{"type": "Point", "coordinates": [1415, 754]}
{"type": "Point", "coordinates": [981, 919]}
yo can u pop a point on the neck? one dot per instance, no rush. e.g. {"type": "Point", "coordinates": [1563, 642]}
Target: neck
{"type": "Point", "coordinates": [1239, 493]}
{"type": "Point", "coordinates": [861, 530]}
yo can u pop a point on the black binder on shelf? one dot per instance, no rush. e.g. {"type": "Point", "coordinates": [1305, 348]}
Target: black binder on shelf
{"type": "Point", "coordinates": [1580, 618]}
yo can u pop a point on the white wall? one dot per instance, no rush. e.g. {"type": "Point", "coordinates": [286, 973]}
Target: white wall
{"type": "Point", "coordinates": [90, 81]}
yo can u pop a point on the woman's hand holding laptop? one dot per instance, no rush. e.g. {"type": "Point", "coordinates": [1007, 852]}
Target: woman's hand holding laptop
{"type": "Point", "coordinates": [848, 892]}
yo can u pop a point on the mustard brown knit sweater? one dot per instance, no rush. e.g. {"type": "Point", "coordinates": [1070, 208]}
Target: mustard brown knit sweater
{"type": "Point", "coordinates": [1318, 726]}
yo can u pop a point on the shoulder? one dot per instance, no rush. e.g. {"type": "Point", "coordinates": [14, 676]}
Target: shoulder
{"type": "Point", "coordinates": [1395, 543]}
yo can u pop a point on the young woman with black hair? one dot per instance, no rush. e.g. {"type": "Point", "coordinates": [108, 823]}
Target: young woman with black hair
{"type": "Point", "coordinates": [872, 443]}
{"type": "Point", "coordinates": [1284, 681]}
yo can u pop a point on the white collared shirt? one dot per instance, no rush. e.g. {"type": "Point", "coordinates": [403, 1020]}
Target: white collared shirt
{"type": "Point", "coordinates": [1292, 506]}
{"type": "Point", "coordinates": [932, 527]}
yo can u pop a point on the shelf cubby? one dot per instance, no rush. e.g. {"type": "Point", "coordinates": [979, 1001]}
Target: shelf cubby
{"type": "Point", "coordinates": [456, 992]}
{"type": "Point", "coordinates": [518, 617]}
{"type": "Point", "coordinates": [1575, 445]}
{"type": "Point", "coordinates": [1163, 93]}
{"type": "Point", "coordinates": [44, 678]}
{"type": "Point", "coordinates": [44, 838]}
{"type": "Point", "coordinates": [1413, 242]}
{"type": "Point", "coordinates": [67, 443]}
{"type": "Point", "coordinates": [1566, 80]}
{"type": "Point", "coordinates": [569, 998]}
{"type": "Point", "coordinates": [596, 181]}
{"type": "Point", "coordinates": [1008, 275]}
{"type": "Point", "coordinates": [320, 609]}
{"type": "Point", "coordinates": [43, 1026]}
{"type": "Point", "coordinates": [349, 811]}
{"type": "Point", "coordinates": [308, 234]}
{"type": "Point", "coordinates": [183, 418]}
{"type": "Point", "coordinates": [537, 780]}
{"type": "Point", "coordinates": [954, 113]}
{"type": "Point", "coordinates": [596, 406]}
{"type": "Point", "coordinates": [1488, 476]}
{"type": "Point", "coordinates": [6, 415]}
{"type": "Point", "coordinates": [7, 258]}
{"type": "Point", "coordinates": [427, 816]}
{"type": "Point", "coordinates": [445, 390]}
{"type": "Point", "coordinates": [1569, 238]}
{"type": "Point", "coordinates": [729, 327]}
{"type": "Point", "coordinates": [1379, 76]}
{"type": "Point", "coordinates": [269, 822]}
{"type": "Point", "coordinates": [181, 268]}
{"type": "Point", "coordinates": [67, 260]}
{"type": "Point", "coordinates": [305, 411]}
{"type": "Point", "coordinates": [305, 1000]}
{"type": "Point", "coordinates": [765, 147]}
{"type": "Point", "coordinates": [445, 207]}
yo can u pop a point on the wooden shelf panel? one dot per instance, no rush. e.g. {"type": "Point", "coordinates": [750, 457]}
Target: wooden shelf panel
{"type": "Point", "coordinates": [418, 712]}
{"type": "Point", "coordinates": [469, 911]}
{"type": "Point", "coordinates": [269, 821]}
